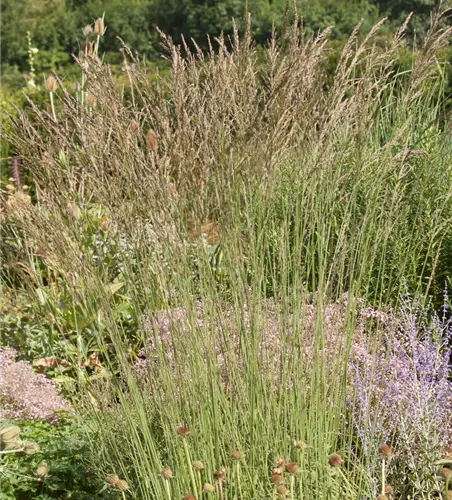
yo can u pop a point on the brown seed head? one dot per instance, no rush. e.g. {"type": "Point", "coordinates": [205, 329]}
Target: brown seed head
{"type": "Point", "coordinates": [189, 497]}
{"type": "Point", "coordinates": [91, 100]}
{"type": "Point", "coordinates": [236, 455]}
{"type": "Point", "coordinates": [384, 450]}
{"type": "Point", "coordinates": [166, 473]}
{"type": "Point", "coordinates": [280, 462]}
{"type": "Point", "coordinates": [277, 477]}
{"type": "Point", "coordinates": [51, 84]}
{"type": "Point", "coordinates": [151, 140]}
{"type": "Point", "coordinates": [182, 431]}
{"type": "Point", "coordinates": [292, 468]}
{"type": "Point", "coordinates": [121, 485]}
{"type": "Point", "coordinates": [282, 491]}
{"type": "Point", "coordinates": [334, 460]}
{"type": "Point", "coordinates": [42, 471]}
{"type": "Point", "coordinates": [389, 490]}
{"type": "Point", "coordinates": [99, 27]}
{"type": "Point", "coordinates": [219, 476]}
{"type": "Point", "coordinates": [208, 488]}
{"type": "Point", "coordinates": [446, 473]}
{"type": "Point", "coordinates": [197, 465]}
{"type": "Point", "coordinates": [301, 445]}
{"type": "Point", "coordinates": [87, 48]}
{"type": "Point", "coordinates": [382, 497]}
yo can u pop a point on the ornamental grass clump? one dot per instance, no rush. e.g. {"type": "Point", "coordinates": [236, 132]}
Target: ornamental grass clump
{"type": "Point", "coordinates": [268, 190]}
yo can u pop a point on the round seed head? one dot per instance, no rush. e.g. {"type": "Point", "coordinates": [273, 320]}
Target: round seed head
{"type": "Point", "coordinates": [112, 479]}
{"type": "Point", "coordinates": [51, 84]}
{"type": "Point", "coordinates": [189, 497]}
{"type": "Point", "coordinates": [29, 447]}
{"type": "Point", "coordinates": [292, 468]}
{"type": "Point", "coordinates": [301, 445]}
{"type": "Point", "coordinates": [446, 473]}
{"type": "Point", "coordinates": [382, 497]}
{"type": "Point", "coordinates": [389, 490]}
{"type": "Point", "coordinates": [277, 477]}
{"type": "Point", "coordinates": [9, 434]}
{"type": "Point", "coordinates": [208, 488]}
{"type": "Point", "coordinates": [334, 460]}
{"type": "Point", "coordinates": [236, 455]}
{"type": "Point", "coordinates": [280, 462]}
{"type": "Point", "coordinates": [281, 490]}
{"type": "Point", "coordinates": [182, 431]}
{"type": "Point", "coordinates": [384, 450]}
{"type": "Point", "coordinates": [197, 465]}
{"type": "Point", "coordinates": [121, 485]}
{"type": "Point", "coordinates": [99, 27]}
{"type": "Point", "coordinates": [219, 476]}
{"type": "Point", "coordinates": [42, 471]}
{"type": "Point", "coordinates": [166, 473]}
{"type": "Point", "coordinates": [134, 126]}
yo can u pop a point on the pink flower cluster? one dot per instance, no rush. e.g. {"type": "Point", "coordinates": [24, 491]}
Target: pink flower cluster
{"type": "Point", "coordinates": [24, 394]}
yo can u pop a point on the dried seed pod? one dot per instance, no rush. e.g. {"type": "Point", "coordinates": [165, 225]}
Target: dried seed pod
{"type": "Point", "coordinates": [121, 485]}
{"type": "Point", "coordinates": [29, 447]}
{"type": "Point", "coordinates": [282, 491]}
{"type": "Point", "coordinates": [189, 497]}
{"type": "Point", "coordinates": [446, 473]}
{"type": "Point", "coordinates": [91, 100]}
{"type": "Point", "coordinates": [236, 455]}
{"type": "Point", "coordinates": [87, 29]}
{"type": "Point", "coordinates": [99, 27]}
{"type": "Point", "coordinates": [280, 462]}
{"type": "Point", "coordinates": [51, 84]}
{"type": "Point", "coordinates": [112, 479]}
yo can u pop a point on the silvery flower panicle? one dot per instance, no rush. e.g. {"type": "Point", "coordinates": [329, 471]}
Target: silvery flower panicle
{"type": "Point", "coordinates": [24, 394]}
{"type": "Point", "coordinates": [406, 385]}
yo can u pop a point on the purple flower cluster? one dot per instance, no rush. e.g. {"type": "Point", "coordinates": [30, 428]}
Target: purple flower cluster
{"type": "Point", "coordinates": [24, 394]}
{"type": "Point", "coordinates": [403, 388]}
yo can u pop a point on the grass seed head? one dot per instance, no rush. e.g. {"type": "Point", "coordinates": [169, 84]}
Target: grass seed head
{"type": "Point", "coordinates": [91, 100]}
{"type": "Point", "coordinates": [301, 445]}
{"type": "Point", "coordinates": [236, 455]}
{"type": "Point", "coordinates": [112, 479]}
{"type": "Point", "coordinates": [389, 490]}
{"type": "Point", "coordinates": [189, 497]}
{"type": "Point", "coordinates": [197, 465]}
{"type": "Point", "coordinates": [121, 485]}
{"type": "Point", "coordinates": [208, 488]}
{"type": "Point", "coordinates": [280, 462]}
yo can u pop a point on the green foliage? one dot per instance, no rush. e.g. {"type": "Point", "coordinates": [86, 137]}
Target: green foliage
{"type": "Point", "coordinates": [64, 449]}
